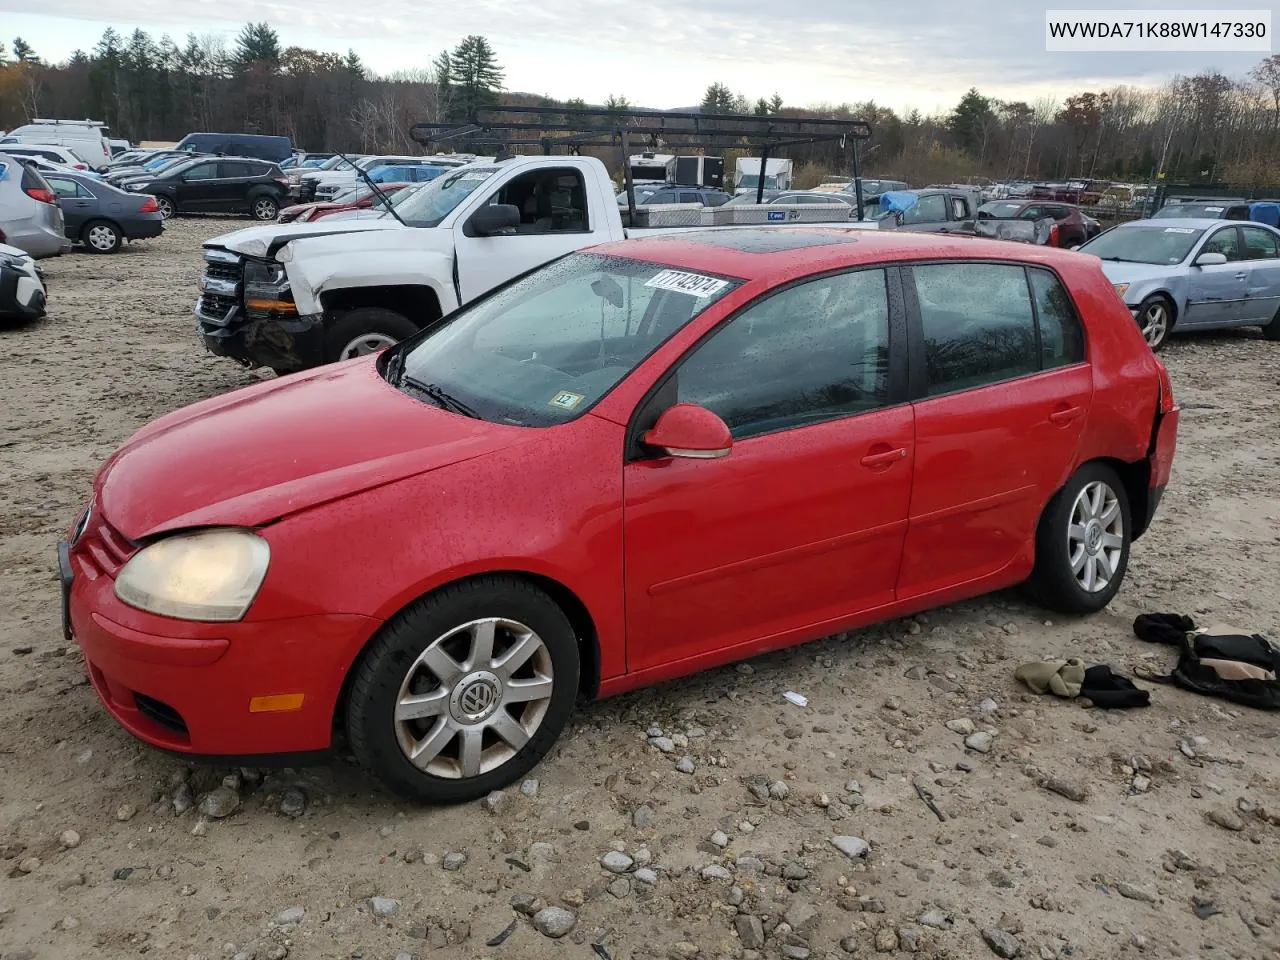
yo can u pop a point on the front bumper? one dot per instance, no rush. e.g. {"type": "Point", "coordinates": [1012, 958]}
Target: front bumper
{"type": "Point", "coordinates": [190, 687]}
{"type": "Point", "coordinates": [294, 343]}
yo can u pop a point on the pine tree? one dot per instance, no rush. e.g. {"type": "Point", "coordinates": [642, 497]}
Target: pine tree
{"type": "Point", "coordinates": [719, 99]}
{"type": "Point", "coordinates": [257, 43]}
{"type": "Point", "coordinates": [353, 64]}
{"type": "Point", "coordinates": [22, 51]}
{"type": "Point", "coordinates": [775, 104]}
{"type": "Point", "coordinates": [474, 74]}
{"type": "Point", "coordinates": [617, 103]}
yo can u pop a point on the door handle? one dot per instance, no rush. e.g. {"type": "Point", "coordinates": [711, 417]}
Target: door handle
{"type": "Point", "coordinates": [885, 458]}
{"type": "Point", "coordinates": [1060, 418]}
{"type": "Point", "coordinates": [1242, 276]}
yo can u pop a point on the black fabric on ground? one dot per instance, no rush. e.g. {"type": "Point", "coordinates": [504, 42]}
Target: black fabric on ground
{"type": "Point", "coordinates": [1110, 690]}
{"type": "Point", "coordinates": [1170, 628]}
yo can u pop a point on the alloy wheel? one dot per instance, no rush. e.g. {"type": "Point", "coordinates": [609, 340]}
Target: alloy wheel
{"type": "Point", "coordinates": [265, 209]}
{"type": "Point", "coordinates": [166, 207]}
{"type": "Point", "coordinates": [1095, 536]}
{"type": "Point", "coordinates": [1154, 323]}
{"type": "Point", "coordinates": [366, 344]}
{"type": "Point", "coordinates": [473, 698]}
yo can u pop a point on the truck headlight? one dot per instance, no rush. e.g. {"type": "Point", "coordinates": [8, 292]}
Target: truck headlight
{"type": "Point", "coordinates": [210, 575]}
{"type": "Point", "coordinates": [266, 289]}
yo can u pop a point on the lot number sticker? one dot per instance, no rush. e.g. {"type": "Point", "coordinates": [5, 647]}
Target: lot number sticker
{"type": "Point", "coordinates": [694, 284]}
{"type": "Point", "coordinates": [564, 400]}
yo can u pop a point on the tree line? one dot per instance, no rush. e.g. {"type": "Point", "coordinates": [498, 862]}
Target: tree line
{"type": "Point", "coordinates": [1202, 127]}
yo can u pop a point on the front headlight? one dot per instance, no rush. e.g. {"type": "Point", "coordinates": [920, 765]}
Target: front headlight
{"type": "Point", "coordinates": [210, 575]}
{"type": "Point", "coordinates": [1120, 289]}
{"type": "Point", "coordinates": [265, 272]}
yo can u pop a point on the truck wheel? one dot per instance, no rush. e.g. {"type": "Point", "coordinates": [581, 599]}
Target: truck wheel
{"type": "Point", "coordinates": [366, 330]}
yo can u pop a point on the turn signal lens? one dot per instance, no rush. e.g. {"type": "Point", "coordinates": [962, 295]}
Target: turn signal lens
{"type": "Point", "coordinates": [1120, 289]}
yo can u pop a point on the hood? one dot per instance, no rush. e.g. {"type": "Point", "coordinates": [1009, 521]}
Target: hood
{"type": "Point", "coordinates": [259, 241]}
{"type": "Point", "coordinates": [255, 455]}
{"type": "Point", "coordinates": [1118, 272]}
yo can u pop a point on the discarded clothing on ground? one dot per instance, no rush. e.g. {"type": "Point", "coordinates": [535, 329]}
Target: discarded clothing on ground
{"type": "Point", "coordinates": [1070, 678]}
{"type": "Point", "coordinates": [1219, 661]}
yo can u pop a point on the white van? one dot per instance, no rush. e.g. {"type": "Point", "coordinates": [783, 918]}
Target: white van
{"type": "Point", "coordinates": [86, 137]}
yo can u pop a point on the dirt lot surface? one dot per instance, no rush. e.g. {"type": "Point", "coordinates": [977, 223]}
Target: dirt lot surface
{"type": "Point", "coordinates": [1165, 840]}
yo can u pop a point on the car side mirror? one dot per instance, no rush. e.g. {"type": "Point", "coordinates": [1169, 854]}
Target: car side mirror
{"type": "Point", "coordinates": [1211, 259]}
{"type": "Point", "coordinates": [689, 431]}
{"type": "Point", "coordinates": [495, 219]}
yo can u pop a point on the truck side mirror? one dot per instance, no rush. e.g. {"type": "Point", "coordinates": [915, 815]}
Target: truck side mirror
{"type": "Point", "coordinates": [494, 219]}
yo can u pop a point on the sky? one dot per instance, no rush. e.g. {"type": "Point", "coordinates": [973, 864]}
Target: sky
{"type": "Point", "coordinates": [663, 53]}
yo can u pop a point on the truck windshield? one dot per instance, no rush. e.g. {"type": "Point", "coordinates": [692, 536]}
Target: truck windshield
{"type": "Point", "coordinates": [545, 349]}
{"type": "Point", "coordinates": [435, 201]}
{"type": "Point", "coordinates": [752, 180]}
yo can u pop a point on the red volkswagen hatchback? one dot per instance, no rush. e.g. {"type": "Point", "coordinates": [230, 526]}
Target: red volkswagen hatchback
{"type": "Point", "coordinates": [637, 462]}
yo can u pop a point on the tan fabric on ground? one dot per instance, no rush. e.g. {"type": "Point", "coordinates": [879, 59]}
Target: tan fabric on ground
{"type": "Point", "coordinates": [1237, 670]}
{"type": "Point", "coordinates": [1059, 677]}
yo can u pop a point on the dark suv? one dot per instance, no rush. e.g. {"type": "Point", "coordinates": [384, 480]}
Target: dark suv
{"type": "Point", "coordinates": [217, 185]}
{"type": "Point", "coordinates": [675, 193]}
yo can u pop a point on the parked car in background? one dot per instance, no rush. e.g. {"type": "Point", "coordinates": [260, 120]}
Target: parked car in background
{"type": "Point", "coordinates": [103, 217]}
{"type": "Point", "coordinates": [328, 184]}
{"type": "Point", "coordinates": [791, 198]}
{"type": "Point", "coordinates": [1074, 228]}
{"type": "Point", "coordinates": [672, 193]}
{"type": "Point", "coordinates": [48, 166]}
{"type": "Point", "coordinates": [88, 138]}
{"type": "Point", "coordinates": [22, 292]}
{"type": "Point", "coordinates": [147, 169]}
{"type": "Point", "coordinates": [30, 217]}
{"type": "Point", "coordinates": [933, 209]}
{"type": "Point", "coordinates": [217, 185]}
{"type": "Point", "coordinates": [362, 197]}
{"type": "Point", "coordinates": [46, 151]}
{"type": "Point", "coordinates": [255, 145]}
{"type": "Point", "coordinates": [1200, 209]}
{"type": "Point", "coordinates": [1193, 274]}
{"type": "Point", "coordinates": [335, 162]}
{"type": "Point", "coordinates": [117, 146]}
{"type": "Point", "coordinates": [872, 187]}
{"type": "Point", "coordinates": [378, 210]}
{"type": "Point", "coordinates": [700, 387]}
{"type": "Point", "coordinates": [400, 173]}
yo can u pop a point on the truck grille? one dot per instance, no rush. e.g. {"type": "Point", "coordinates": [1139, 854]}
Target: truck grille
{"type": "Point", "coordinates": [220, 288]}
{"type": "Point", "coordinates": [306, 191]}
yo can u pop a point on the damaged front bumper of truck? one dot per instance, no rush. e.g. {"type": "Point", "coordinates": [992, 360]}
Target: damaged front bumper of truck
{"type": "Point", "coordinates": [246, 312]}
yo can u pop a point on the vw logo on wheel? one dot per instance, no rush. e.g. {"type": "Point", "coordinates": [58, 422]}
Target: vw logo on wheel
{"type": "Point", "coordinates": [477, 698]}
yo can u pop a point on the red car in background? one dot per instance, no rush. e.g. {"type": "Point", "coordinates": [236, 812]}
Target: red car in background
{"type": "Point", "coordinates": [642, 460]}
{"type": "Point", "coordinates": [1074, 227]}
{"type": "Point", "coordinates": [357, 198]}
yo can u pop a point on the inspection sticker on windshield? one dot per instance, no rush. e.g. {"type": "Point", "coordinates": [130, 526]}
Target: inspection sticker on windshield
{"type": "Point", "coordinates": [564, 400]}
{"type": "Point", "coordinates": [1179, 229]}
{"type": "Point", "coordinates": [1215, 209]}
{"type": "Point", "coordinates": [693, 284]}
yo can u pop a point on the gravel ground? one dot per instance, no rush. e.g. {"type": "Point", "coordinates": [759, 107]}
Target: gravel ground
{"type": "Point", "coordinates": [1162, 842]}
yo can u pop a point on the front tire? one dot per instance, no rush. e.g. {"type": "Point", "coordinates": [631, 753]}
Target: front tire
{"type": "Point", "coordinates": [101, 236]}
{"type": "Point", "coordinates": [366, 330]}
{"type": "Point", "coordinates": [463, 691]}
{"type": "Point", "coordinates": [1082, 543]}
{"type": "Point", "coordinates": [167, 208]}
{"type": "Point", "coordinates": [1155, 320]}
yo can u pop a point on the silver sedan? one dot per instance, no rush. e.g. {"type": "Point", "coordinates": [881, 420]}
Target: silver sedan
{"type": "Point", "coordinates": [1195, 274]}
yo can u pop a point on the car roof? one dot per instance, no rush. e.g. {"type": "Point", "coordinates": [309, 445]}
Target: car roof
{"type": "Point", "coordinates": [758, 252]}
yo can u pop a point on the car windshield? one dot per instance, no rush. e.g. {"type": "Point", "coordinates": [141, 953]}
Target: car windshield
{"type": "Point", "coordinates": [1209, 211]}
{"type": "Point", "coordinates": [998, 211]}
{"type": "Point", "coordinates": [438, 198]}
{"type": "Point", "coordinates": [1144, 244]}
{"type": "Point", "coordinates": [160, 163]}
{"type": "Point", "coordinates": [543, 350]}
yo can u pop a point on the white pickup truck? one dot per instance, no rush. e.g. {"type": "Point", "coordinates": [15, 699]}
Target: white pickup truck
{"type": "Point", "coordinates": [293, 296]}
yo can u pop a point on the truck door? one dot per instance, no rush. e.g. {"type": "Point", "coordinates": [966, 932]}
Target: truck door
{"type": "Point", "coordinates": [555, 219]}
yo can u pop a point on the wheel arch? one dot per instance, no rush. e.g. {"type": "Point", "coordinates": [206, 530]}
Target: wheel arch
{"type": "Point", "coordinates": [580, 618]}
{"type": "Point", "coordinates": [1167, 295]}
{"type": "Point", "coordinates": [419, 303]}
{"type": "Point", "coordinates": [1135, 478]}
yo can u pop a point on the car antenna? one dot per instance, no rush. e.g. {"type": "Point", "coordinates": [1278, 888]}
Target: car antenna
{"type": "Point", "coordinates": [373, 186]}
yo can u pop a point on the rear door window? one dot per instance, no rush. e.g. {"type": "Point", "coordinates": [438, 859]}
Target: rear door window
{"type": "Point", "coordinates": [234, 170]}
{"type": "Point", "coordinates": [1061, 333]}
{"type": "Point", "coordinates": [1259, 244]}
{"type": "Point", "coordinates": [978, 325]}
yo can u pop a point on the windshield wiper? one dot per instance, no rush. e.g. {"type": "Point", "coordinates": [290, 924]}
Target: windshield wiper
{"type": "Point", "coordinates": [441, 396]}
{"type": "Point", "coordinates": [1118, 259]}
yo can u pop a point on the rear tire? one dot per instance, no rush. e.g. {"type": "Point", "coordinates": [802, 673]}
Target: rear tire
{"type": "Point", "coordinates": [1272, 330]}
{"type": "Point", "coordinates": [264, 208]}
{"type": "Point", "coordinates": [101, 236]}
{"type": "Point", "coordinates": [429, 664]}
{"type": "Point", "coordinates": [1155, 320]}
{"type": "Point", "coordinates": [366, 330]}
{"type": "Point", "coordinates": [1082, 543]}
